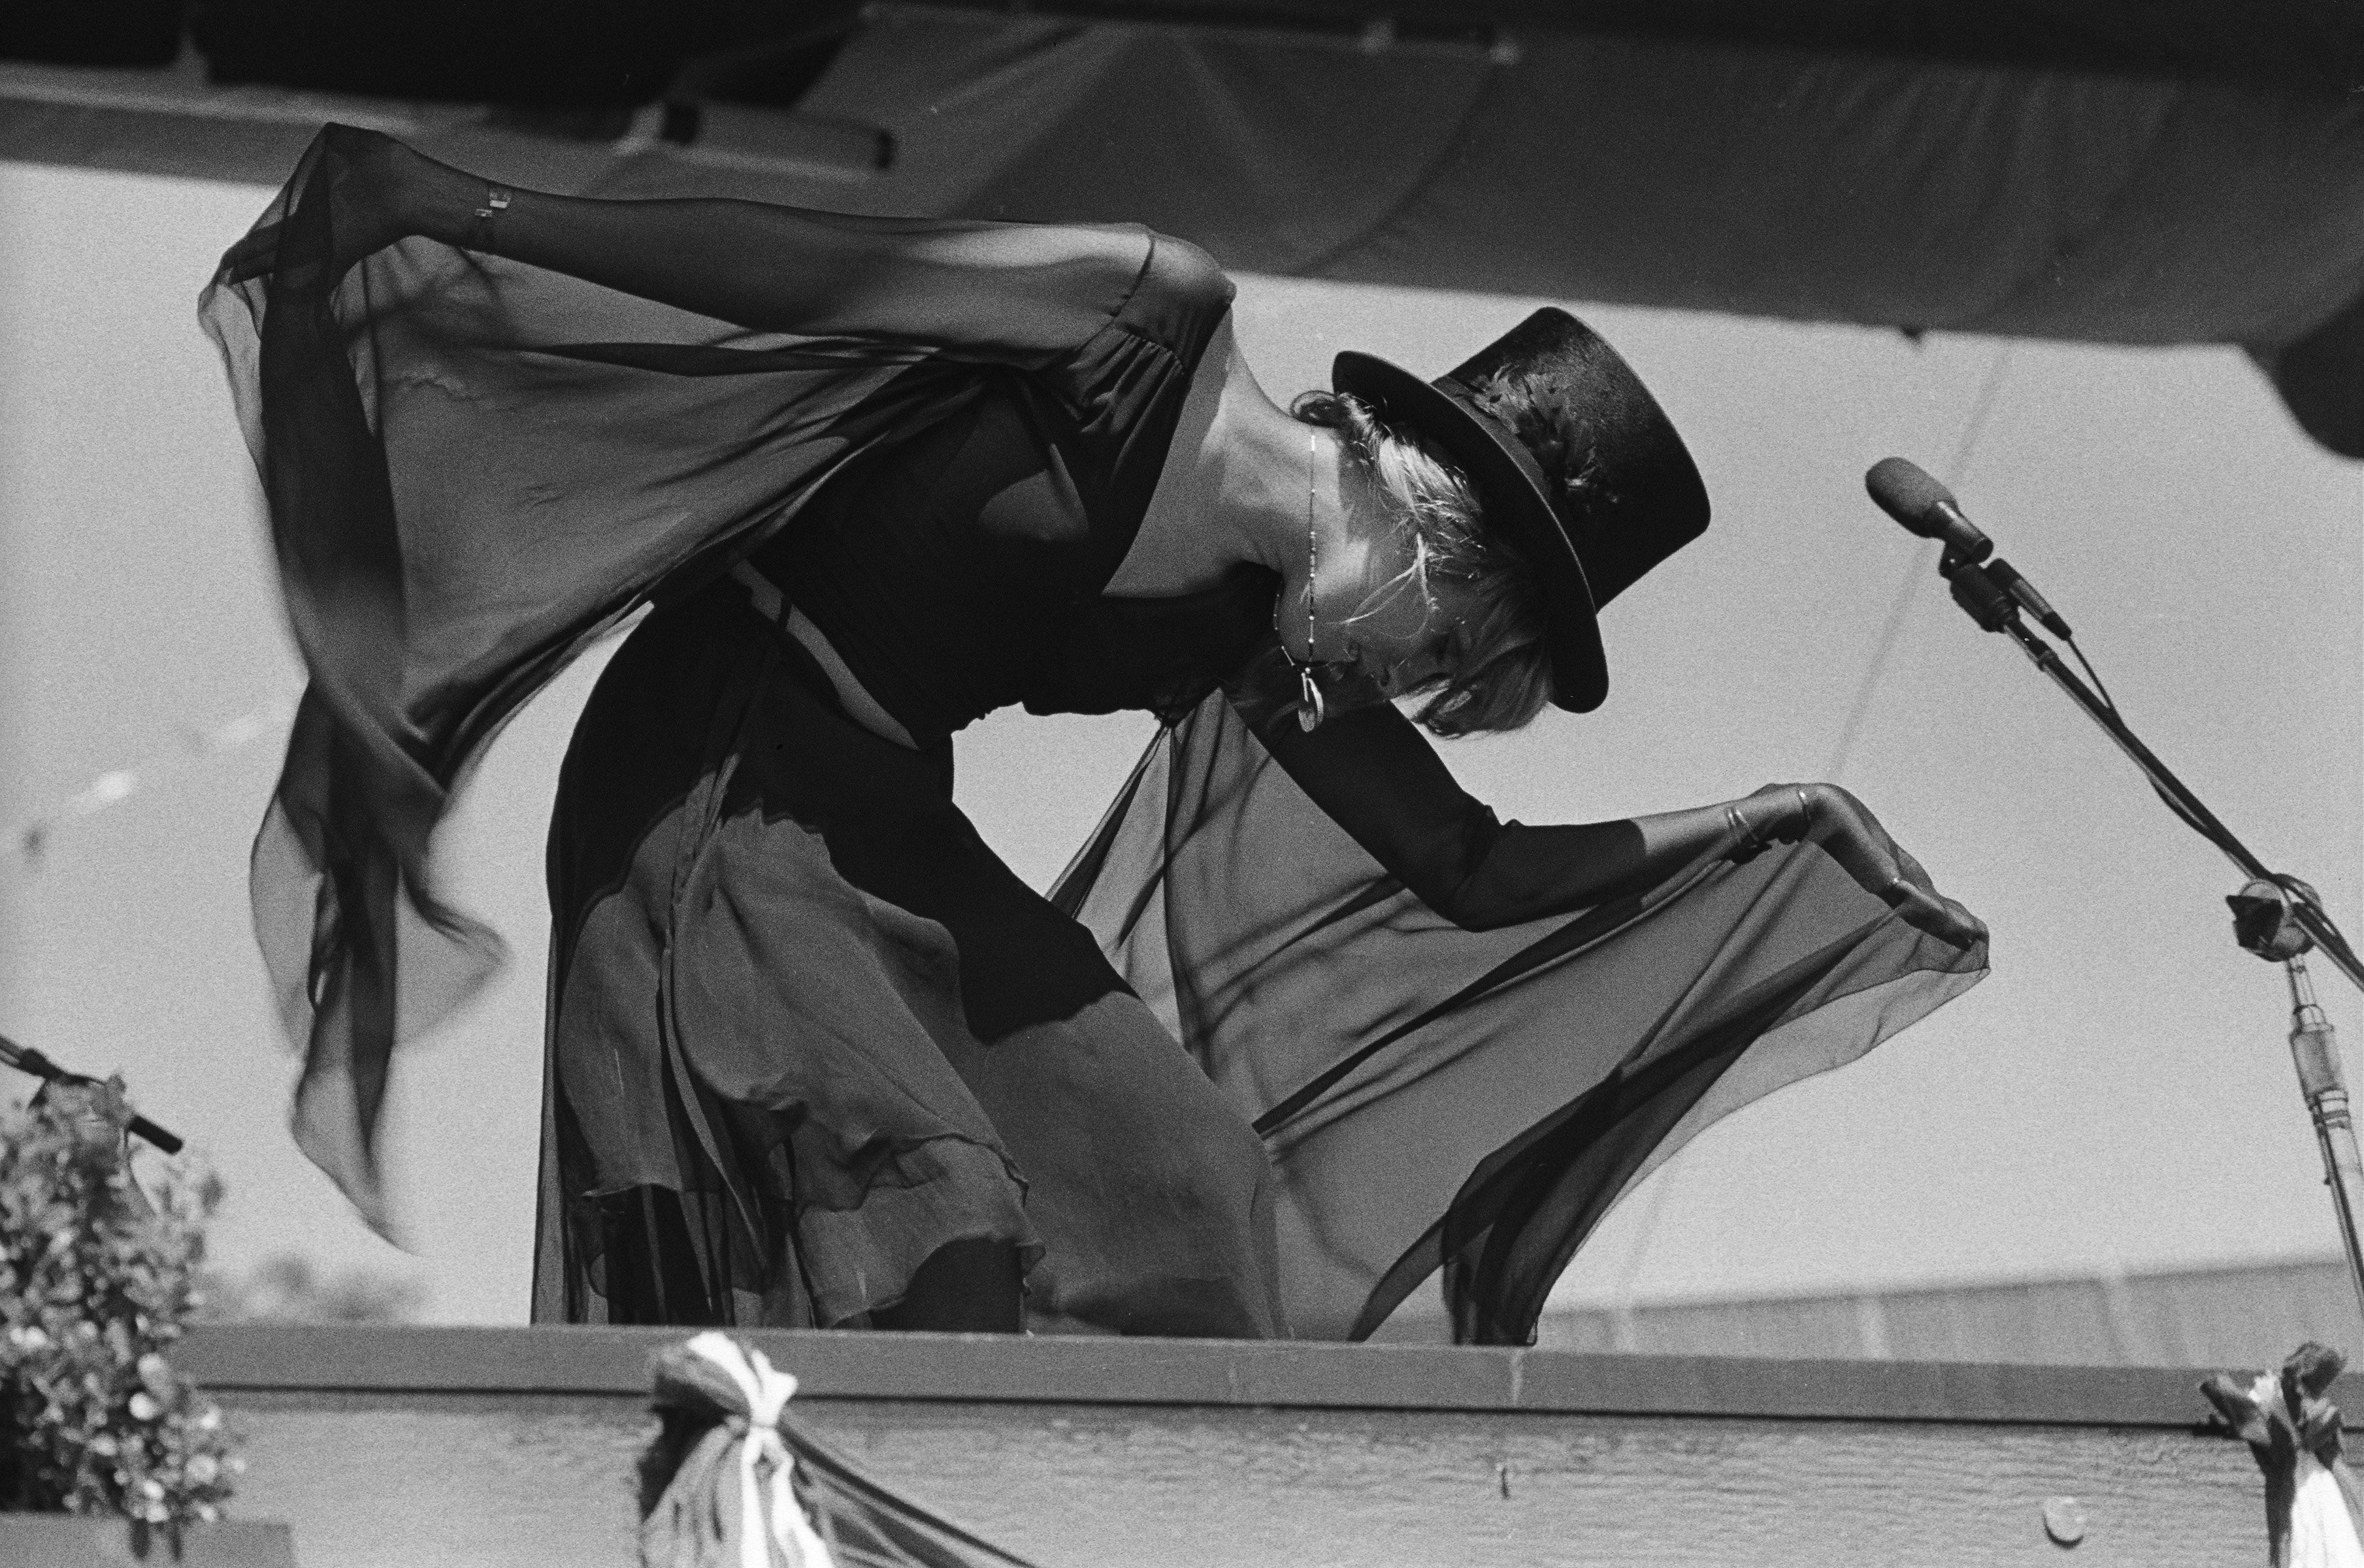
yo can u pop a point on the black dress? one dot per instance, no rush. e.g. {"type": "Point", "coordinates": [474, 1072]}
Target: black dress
{"type": "Point", "coordinates": [1302, 1025]}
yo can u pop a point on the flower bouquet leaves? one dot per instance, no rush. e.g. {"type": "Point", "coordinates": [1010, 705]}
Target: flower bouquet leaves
{"type": "Point", "coordinates": [96, 1278]}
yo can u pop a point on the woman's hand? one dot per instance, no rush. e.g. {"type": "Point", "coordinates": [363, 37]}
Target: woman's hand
{"type": "Point", "coordinates": [1851, 835]}
{"type": "Point", "coordinates": [369, 205]}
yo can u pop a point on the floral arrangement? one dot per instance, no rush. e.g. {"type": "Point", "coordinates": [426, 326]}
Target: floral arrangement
{"type": "Point", "coordinates": [97, 1277]}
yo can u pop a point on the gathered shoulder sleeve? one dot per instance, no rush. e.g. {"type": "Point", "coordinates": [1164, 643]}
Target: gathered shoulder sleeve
{"type": "Point", "coordinates": [1029, 295]}
{"type": "Point", "coordinates": [474, 467]}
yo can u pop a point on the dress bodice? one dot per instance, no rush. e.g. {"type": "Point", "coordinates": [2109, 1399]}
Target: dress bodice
{"type": "Point", "coordinates": [962, 571]}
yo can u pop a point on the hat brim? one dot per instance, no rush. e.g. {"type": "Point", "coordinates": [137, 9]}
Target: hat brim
{"type": "Point", "coordinates": [1510, 490]}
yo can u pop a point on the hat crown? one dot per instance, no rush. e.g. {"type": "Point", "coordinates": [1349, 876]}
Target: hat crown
{"type": "Point", "coordinates": [1619, 479]}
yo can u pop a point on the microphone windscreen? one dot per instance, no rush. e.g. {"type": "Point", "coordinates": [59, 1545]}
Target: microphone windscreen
{"type": "Point", "coordinates": [1904, 492]}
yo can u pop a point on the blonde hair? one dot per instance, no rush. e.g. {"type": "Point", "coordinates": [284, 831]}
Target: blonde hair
{"type": "Point", "coordinates": [1497, 675]}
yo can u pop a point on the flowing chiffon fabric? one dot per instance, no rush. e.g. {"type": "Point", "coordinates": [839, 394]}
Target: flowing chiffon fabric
{"type": "Point", "coordinates": [475, 467]}
{"type": "Point", "coordinates": [1474, 1102]}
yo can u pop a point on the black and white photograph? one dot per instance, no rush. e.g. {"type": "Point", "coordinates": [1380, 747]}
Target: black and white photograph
{"type": "Point", "coordinates": [1248, 784]}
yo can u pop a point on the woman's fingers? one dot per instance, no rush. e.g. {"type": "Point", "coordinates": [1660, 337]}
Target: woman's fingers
{"type": "Point", "coordinates": [1787, 808]}
{"type": "Point", "coordinates": [368, 205]}
{"type": "Point", "coordinates": [252, 256]}
{"type": "Point", "coordinates": [1938, 915]}
{"type": "Point", "coordinates": [1884, 867]}
{"type": "Point", "coordinates": [1851, 835]}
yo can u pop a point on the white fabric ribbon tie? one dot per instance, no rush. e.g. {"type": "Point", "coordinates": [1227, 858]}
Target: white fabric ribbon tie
{"type": "Point", "coordinates": [783, 1523]}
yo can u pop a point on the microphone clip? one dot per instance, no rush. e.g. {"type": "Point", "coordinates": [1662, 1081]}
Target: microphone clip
{"type": "Point", "coordinates": [1979, 595]}
{"type": "Point", "coordinates": [2265, 918]}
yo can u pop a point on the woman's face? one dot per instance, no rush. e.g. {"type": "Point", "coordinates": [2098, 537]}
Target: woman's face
{"type": "Point", "coordinates": [1376, 612]}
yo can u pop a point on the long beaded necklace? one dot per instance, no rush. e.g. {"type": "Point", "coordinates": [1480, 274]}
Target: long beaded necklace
{"type": "Point", "coordinates": [1310, 709]}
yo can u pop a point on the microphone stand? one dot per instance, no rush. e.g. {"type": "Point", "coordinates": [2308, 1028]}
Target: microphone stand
{"type": "Point", "coordinates": [2276, 916]}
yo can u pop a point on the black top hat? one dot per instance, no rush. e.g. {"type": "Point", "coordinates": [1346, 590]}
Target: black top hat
{"type": "Point", "coordinates": [1573, 460]}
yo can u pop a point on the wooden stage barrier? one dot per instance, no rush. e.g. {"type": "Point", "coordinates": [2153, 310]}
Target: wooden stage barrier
{"type": "Point", "coordinates": [511, 1448]}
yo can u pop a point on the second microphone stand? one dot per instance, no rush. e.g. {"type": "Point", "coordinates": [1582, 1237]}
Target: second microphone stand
{"type": "Point", "coordinates": [2275, 916]}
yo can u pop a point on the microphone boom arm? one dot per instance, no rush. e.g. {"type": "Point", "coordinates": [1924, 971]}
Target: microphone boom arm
{"type": "Point", "coordinates": [2309, 915]}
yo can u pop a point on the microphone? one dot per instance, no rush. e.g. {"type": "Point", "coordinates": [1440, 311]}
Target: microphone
{"type": "Point", "coordinates": [1926, 508]}
{"type": "Point", "coordinates": [1905, 491]}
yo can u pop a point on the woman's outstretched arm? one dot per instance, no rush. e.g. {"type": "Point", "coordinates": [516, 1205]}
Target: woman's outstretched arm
{"type": "Point", "coordinates": [763, 267]}
{"type": "Point", "coordinates": [1374, 773]}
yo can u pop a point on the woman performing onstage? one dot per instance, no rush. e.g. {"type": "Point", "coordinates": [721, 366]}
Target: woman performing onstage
{"type": "Point", "coordinates": [1301, 1027]}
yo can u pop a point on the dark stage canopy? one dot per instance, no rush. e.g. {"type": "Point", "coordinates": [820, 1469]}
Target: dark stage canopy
{"type": "Point", "coordinates": [2095, 169]}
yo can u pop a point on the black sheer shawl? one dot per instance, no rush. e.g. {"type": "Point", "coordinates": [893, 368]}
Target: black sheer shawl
{"type": "Point", "coordinates": [473, 468]}
{"type": "Point", "coordinates": [1436, 1096]}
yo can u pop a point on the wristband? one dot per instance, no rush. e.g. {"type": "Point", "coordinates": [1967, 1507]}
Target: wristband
{"type": "Point", "coordinates": [1743, 831]}
{"type": "Point", "coordinates": [497, 201]}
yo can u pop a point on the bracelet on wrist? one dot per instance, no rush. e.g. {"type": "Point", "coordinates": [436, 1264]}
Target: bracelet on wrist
{"type": "Point", "coordinates": [1746, 841]}
{"type": "Point", "coordinates": [496, 202]}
